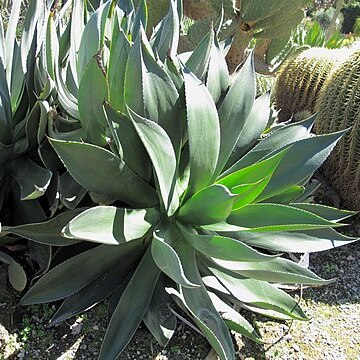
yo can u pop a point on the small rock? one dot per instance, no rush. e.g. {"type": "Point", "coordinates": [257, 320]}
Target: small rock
{"type": "Point", "coordinates": [20, 355]}
{"type": "Point", "coordinates": [95, 327]}
{"type": "Point", "coordinates": [350, 258]}
{"type": "Point", "coordinates": [296, 347]}
{"type": "Point", "coordinates": [76, 328]}
{"type": "Point", "coordinates": [164, 352]}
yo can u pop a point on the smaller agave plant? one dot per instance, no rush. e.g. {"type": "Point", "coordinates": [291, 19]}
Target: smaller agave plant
{"type": "Point", "coordinates": [204, 195]}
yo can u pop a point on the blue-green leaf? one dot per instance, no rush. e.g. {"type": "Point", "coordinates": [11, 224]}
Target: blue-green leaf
{"type": "Point", "coordinates": [66, 279]}
{"type": "Point", "coordinates": [221, 247]}
{"type": "Point", "coordinates": [93, 37]}
{"type": "Point", "coordinates": [210, 205]}
{"type": "Point", "coordinates": [162, 155]}
{"type": "Point", "coordinates": [295, 241]}
{"type": "Point", "coordinates": [235, 110]}
{"type": "Point", "coordinates": [119, 51]}
{"type": "Point", "coordinates": [102, 172]}
{"type": "Point", "coordinates": [204, 133]}
{"type": "Point", "coordinates": [159, 319]}
{"type": "Point", "coordinates": [198, 62]}
{"type": "Point", "coordinates": [258, 293]}
{"type": "Point", "coordinates": [111, 225]}
{"type": "Point", "coordinates": [234, 320]}
{"type": "Point", "coordinates": [199, 305]}
{"type": "Point", "coordinates": [131, 308]}
{"type": "Point", "coordinates": [163, 245]}
{"type": "Point", "coordinates": [47, 232]}
{"type": "Point", "coordinates": [150, 92]}
{"type": "Point", "coordinates": [275, 270]}
{"type": "Point", "coordinates": [166, 38]}
{"type": "Point", "coordinates": [277, 217]}
{"type": "Point", "coordinates": [93, 91]}
{"type": "Point", "coordinates": [32, 178]}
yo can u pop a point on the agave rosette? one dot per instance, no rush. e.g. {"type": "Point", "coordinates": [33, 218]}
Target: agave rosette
{"type": "Point", "coordinates": [200, 206]}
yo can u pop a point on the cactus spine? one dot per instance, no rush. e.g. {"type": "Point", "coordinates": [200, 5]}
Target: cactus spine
{"type": "Point", "coordinates": [339, 109]}
{"type": "Point", "coordinates": [301, 78]}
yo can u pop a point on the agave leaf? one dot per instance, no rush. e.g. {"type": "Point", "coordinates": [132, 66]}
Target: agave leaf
{"type": "Point", "coordinates": [235, 110]}
{"type": "Point", "coordinates": [234, 320]}
{"type": "Point", "coordinates": [275, 140]}
{"type": "Point", "coordinates": [66, 279]}
{"type": "Point", "coordinates": [253, 173]}
{"type": "Point", "coordinates": [5, 109]}
{"type": "Point", "coordinates": [297, 241]}
{"type": "Point", "coordinates": [326, 212]}
{"type": "Point", "coordinates": [159, 319]}
{"type": "Point", "coordinates": [93, 37]}
{"type": "Point", "coordinates": [51, 47]}
{"type": "Point", "coordinates": [111, 176]}
{"type": "Point", "coordinates": [34, 18]}
{"type": "Point", "coordinates": [47, 232]}
{"type": "Point", "coordinates": [119, 51]}
{"type": "Point", "coordinates": [93, 92]}
{"type": "Point", "coordinates": [111, 225]}
{"type": "Point", "coordinates": [198, 62]}
{"type": "Point", "coordinates": [17, 86]}
{"type": "Point", "coordinates": [300, 162]}
{"type": "Point", "coordinates": [163, 245]}
{"type": "Point", "coordinates": [141, 18]}
{"type": "Point", "coordinates": [131, 308]}
{"type": "Point", "coordinates": [253, 128]}
{"type": "Point", "coordinates": [77, 27]}
{"type": "Point", "coordinates": [217, 80]}
{"type": "Point", "coordinates": [247, 193]}
{"type": "Point", "coordinates": [221, 247]}
{"type": "Point", "coordinates": [275, 270]}
{"type": "Point", "coordinates": [162, 155]}
{"type": "Point", "coordinates": [277, 217]}
{"type": "Point", "coordinates": [287, 196]}
{"type": "Point", "coordinates": [203, 124]}
{"type": "Point", "coordinates": [32, 178]}
{"type": "Point", "coordinates": [10, 38]}
{"type": "Point", "coordinates": [16, 273]}
{"type": "Point", "coordinates": [71, 193]}
{"type": "Point", "coordinates": [95, 292]}
{"type": "Point", "coordinates": [166, 38]}
{"type": "Point", "coordinates": [258, 293]}
{"type": "Point", "coordinates": [150, 92]}
{"type": "Point", "coordinates": [134, 152]}
{"type": "Point", "coordinates": [2, 42]}
{"type": "Point", "coordinates": [198, 303]}
{"type": "Point", "coordinates": [210, 205]}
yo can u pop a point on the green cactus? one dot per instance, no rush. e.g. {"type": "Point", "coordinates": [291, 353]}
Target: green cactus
{"type": "Point", "coordinates": [244, 21]}
{"type": "Point", "coordinates": [301, 79]}
{"type": "Point", "coordinates": [338, 108]}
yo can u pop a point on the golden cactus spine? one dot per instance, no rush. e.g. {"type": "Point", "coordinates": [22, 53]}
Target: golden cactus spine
{"type": "Point", "coordinates": [339, 109]}
{"type": "Point", "coordinates": [301, 78]}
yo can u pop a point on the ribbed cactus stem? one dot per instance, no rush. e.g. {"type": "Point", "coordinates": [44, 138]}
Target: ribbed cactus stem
{"type": "Point", "coordinates": [339, 109]}
{"type": "Point", "coordinates": [301, 78]}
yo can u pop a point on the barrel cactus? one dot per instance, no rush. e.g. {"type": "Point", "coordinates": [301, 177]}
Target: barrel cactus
{"type": "Point", "coordinates": [301, 78]}
{"type": "Point", "coordinates": [338, 109]}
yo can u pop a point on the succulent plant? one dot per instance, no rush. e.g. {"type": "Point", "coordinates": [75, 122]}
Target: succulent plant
{"type": "Point", "coordinates": [301, 79]}
{"type": "Point", "coordinates": [338, 109]}
{"type": "Point", "coordinates": [245, 21]}
{"type": "Point", "coordinates": [200, 199]}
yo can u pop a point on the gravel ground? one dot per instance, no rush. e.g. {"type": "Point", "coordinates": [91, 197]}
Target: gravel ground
{"type": "Point", "coordinates": [332, 333]}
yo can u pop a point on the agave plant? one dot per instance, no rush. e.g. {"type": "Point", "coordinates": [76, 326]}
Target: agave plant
{"type": "Point", "coordinates": [202, 200]}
